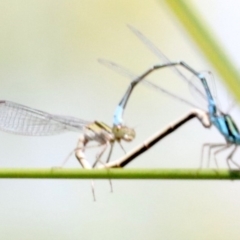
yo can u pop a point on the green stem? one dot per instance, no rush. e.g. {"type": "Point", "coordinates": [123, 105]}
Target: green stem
{"type": "Point", "coordinates": [179, 174]}
{"type": "Point", "coordinates": [204, 38]}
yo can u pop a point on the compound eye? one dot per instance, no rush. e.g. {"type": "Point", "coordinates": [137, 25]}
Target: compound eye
{"type": "Point", "coordinates": [127, 137]}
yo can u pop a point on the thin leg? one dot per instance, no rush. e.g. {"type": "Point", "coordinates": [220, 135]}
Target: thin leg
{"type": "Point", "coordinates": [93, 190]}
{"type": "Point", "coordinates": [104, 164]}
{"type": "Point", "coordinates": [110, 152]}
{"type": "Point", "coordinates": [73, 151]}
{"type": "Point", "coordinates": [221, 150]}
{"type": "Point", "coordinates": [68, 156]}
{"type": "Point", "coordinates": [79, 153]}
{"type": "Point", "coordinates": [211, 147]}
{"type": "Point", "coordinates": [111, 185]}
{"type": "Point", "coordinates": [122, 147]}
{"type": "Point", "coordinates": [107, 161]}
{"type": "Point", "coordinates": [99, 155]}
{"type": "Point", "coordinates": [229, 158]}
{"type": "Point", "coordinates": [65, 160]}
{"type": "Point", "coordinates": [202, 153]}
{"type": "Point", "coordinates": [93, 146]}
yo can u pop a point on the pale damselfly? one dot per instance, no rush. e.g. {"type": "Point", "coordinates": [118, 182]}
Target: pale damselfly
{"type": "Point", "coordinates": [19, 119]}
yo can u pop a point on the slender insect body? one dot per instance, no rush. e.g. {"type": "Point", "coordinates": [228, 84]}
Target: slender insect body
{"type": "Point", "coordinates": [20, 119]}
{"type": "Point", "coordinates": [223, 122]}
{"type": "Point", "coordinates": [233, 135]}
{"type": "Point", "coordinates": [99, 132]}
{"type": "Point", "coordinates": [105, 136]}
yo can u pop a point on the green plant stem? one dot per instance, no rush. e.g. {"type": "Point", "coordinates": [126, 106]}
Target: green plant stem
{"type": "Point", "coordinates": [203, 36]}
{"type": "Point", "coordinates": [179, 174]}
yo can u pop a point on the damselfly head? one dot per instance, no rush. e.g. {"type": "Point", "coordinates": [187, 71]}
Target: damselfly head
{"type": "Point", "coordinates": [124, 133]}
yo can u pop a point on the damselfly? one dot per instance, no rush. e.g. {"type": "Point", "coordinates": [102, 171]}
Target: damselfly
{"type": "Point", "coordinates": [222, 121]}
{"type": "Point", "coordinates": [19, 119]}
{"type": "Point", "coordinates": [202, 115]}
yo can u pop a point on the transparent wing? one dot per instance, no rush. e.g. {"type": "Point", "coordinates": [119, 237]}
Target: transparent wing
{"type": "Point", "coordinates": [164, 58]}
{"type": "Point", "coordinates": [19, 119]}
{"type": "Point", "coordinates": [212, 86]}
{"type": "Point", "coordinates": [154, 49]}
{"type": "Point", "coordinates": [194, 93]}
{"type": "Point", "coordinates": [127, 73]}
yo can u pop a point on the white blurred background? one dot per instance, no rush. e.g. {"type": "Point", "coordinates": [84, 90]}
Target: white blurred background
{"type": "Point", "coordinates": [48, 61]}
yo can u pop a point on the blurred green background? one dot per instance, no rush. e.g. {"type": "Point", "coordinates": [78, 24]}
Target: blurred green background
{"type": "Point", "coordinates": [48, 53]}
